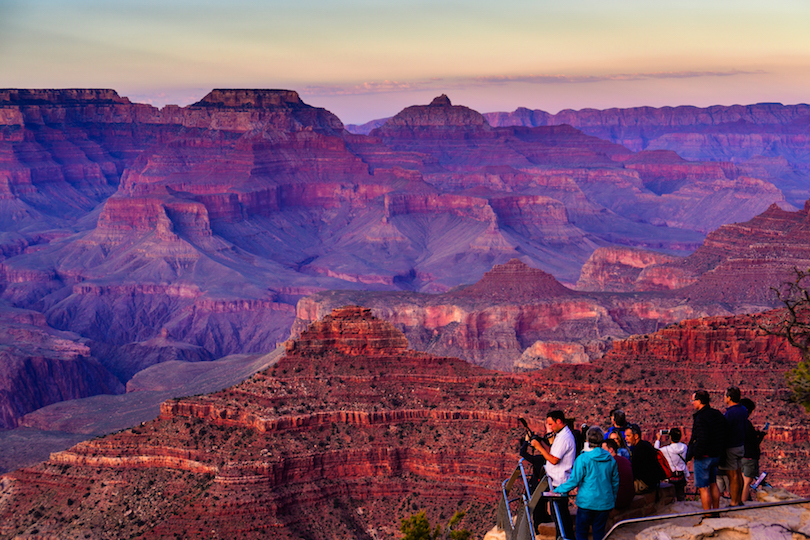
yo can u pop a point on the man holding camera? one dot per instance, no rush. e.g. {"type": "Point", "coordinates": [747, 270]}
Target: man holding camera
{"type": "Point", "coordinates": [559, 457]}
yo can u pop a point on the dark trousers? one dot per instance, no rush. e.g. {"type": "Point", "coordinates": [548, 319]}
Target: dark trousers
{"type": "Point", "coordinates": [559, 509]}
{"type": "Point", "coordinates": [591, 518]}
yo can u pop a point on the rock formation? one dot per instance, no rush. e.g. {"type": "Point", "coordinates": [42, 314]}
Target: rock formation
{"type": "Point", "coordinates": [518, 317]}
{"type": "Point", "coordinates": [40, 366]}
{"type": "Point", "coordinates": [190, 233]}
{"type": "Point", "coordinates": [737, 265]}
{"type": "Point", "coordinates": [768, 135]}
{"type": "Point", "coordinates": [351, 431]}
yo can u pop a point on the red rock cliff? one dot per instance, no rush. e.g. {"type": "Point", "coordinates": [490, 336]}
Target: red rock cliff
{"type": "Point", "coordinates": [354, 428]}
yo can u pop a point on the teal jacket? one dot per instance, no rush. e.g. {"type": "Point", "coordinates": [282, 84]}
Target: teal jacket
{"type": "Point", "coordinates": [596, 475]}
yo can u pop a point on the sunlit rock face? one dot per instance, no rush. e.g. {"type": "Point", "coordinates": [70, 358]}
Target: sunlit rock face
{"type": "Point", "coordinates": [190, 233]}
{"type": "Point", "coordinates": [619, 269]}
{"type": "Point", "coordinates": [356, 428]}
{"type": "Point", "coordinates": [756, 137]}
{"type": "Point", "coordinates": [515, 318]}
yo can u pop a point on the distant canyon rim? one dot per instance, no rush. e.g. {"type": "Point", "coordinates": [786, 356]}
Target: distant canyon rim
{"type": "Point", "coordinates": [143, 249]}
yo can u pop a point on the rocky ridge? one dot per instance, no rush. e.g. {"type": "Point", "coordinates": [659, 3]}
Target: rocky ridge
{"type": "Point", "coordinates": [765, 134]}
{"type": "Point", "coordinates": [521, 318]}
{"type": "Point", "coordinates": [351, 416]}
{"type": "Point", "coordinates": [190, 233]}
{"type": "Point", "coordinates": [737, 265]}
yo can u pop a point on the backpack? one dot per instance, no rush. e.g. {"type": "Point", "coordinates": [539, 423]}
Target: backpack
{"type": "Point", "coordinates": [579, 438]}
{"type": "Point", "coordinates": [666, 470]}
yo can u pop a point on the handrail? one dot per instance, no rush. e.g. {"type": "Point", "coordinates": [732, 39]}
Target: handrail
{"type": "Point", "coordinates": [703, 513]}
{"type": "Point", "coordinates": [519, 525]}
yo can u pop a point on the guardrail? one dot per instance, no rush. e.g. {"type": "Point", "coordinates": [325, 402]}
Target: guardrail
{"type": "Point", "coordinates": [703, 513]}
{"type": "Point", "coordinates": [515, 514]}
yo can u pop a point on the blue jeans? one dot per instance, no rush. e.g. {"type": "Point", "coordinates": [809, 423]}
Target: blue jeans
{"type": "Point", "coordinates": [586, 518]}
{"type": "Point", "coordinates": [705, 471]}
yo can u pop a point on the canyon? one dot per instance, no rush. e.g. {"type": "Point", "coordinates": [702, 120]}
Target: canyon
{"type": "Point", "coordinates": [521, 318]}
{"type": "Point", "coordinates": [134, 238]}
{"type": "Point", "coordinates": [756, 137]}
{"type": "Point", "coordinates": [351, 431]}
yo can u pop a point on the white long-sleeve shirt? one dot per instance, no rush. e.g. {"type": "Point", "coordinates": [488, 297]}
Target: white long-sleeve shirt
{"type": "Point", "coordinates": [676, 456]}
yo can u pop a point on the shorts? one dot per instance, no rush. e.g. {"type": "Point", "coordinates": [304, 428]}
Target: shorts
{"type": "Point", "coordinates": [705, 471]}
{"type": "Point", "coordinates": [733, 458]}
{"type": "Point", "coordinates": [750, 467]}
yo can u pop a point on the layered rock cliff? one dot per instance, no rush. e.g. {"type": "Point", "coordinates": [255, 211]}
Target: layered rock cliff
{"type": "Point", "coordinates": [737, 265]}
{"type": "Point", "coordinates": [515, 318]}
{"type": "Point", "coordinates": [738, 133]}
{"type": "Point", "coordinates": [189, 233]}
{"type": "Point", "coordinates": [351, 432]}
{"type": "Point", "coordinates": [350, 427]}
{"type": "Point", "coordinates": [40, 366]}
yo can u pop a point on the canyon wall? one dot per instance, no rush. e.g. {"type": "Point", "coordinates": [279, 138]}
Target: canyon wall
{"type": "Point", "coordinates": [190, 233]}
{"type": "Point", "coordinates": [353, 427]}
{"type": "Point", "coordinates": [764, 135]}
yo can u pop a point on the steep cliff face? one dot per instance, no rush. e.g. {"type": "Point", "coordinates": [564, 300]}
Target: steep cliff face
{"type": "Point", "coordinates": [40, 366]}
{"type": "Point", "coordinates": [513, 314]}
{"type": "Point", "coordinates": [620, 269]}
{"type": "Point", "coordinates": [191, 232]}
{"type": "Point", "coordinates": [737, 133]}
{"type": "Point", "coordinates": [350, 432]}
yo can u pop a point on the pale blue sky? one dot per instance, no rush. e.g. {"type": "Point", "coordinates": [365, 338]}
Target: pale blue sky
{"type": "Point", "coordinates": [367, 59]}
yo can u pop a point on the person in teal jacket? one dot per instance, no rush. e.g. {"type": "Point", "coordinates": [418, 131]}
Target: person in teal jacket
{"type": "Point", "coordinates": [596, 475]}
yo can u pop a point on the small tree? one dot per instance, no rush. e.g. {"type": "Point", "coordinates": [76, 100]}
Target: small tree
{"type": "Point", "coordinates": [417, 527]}
{"type": "Point", "coordinates": [793, 324]}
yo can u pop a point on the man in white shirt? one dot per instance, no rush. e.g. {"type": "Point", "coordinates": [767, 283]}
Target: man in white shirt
{"type": "Point", "coordinates": [560, 458]}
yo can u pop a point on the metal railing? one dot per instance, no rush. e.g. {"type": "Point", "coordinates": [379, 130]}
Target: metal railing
{"type": "Point", "coordinates": [703, 513]}
{"type": "Point", "coordinates": [519, 524]}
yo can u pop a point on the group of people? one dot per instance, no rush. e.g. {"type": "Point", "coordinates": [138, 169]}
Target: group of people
{"type": "Point", "coordinates": [724, 445]}
{"type": "Point", "coordinates": [608, 468]}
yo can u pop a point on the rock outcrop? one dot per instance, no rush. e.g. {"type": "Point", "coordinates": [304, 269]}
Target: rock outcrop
{"type": "Point", "coordinates": [189, 233]}
{"type": "Point", "coordinates": [350, 432]}
{"type": "Point", "coordinates": [515, 317]}
{"type": "Point", "coordinates": [740, 133]}
{"type": "Point", "coordinates": [620, 269]}
{"type": "Point", "coordinates": [40, 366]}
{"type": "Point", "coordinates": [738, 264]}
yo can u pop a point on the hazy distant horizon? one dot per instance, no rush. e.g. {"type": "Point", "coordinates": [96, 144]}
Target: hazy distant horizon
{"type": "Point", "coordinates": [364, 60]}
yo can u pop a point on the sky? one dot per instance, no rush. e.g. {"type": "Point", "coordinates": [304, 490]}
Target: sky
{"type": "Point", "coordinates": [368, 59]}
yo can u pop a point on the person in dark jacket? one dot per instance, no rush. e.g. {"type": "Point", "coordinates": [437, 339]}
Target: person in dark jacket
{"type": "Point", "coordinates": [753, 438]}
{"type": "Point", "coordinates": [707, 444]}
{"type": "Point", "coordinates": [736, 416]}
{"type": "Point", "coordinates": [538, 462]}
{"type": "Point", "coordinates": [626, 490]}
{"type": "Point", "coordinates": [596, 476]}
{"type": "Point", "coordinates": [646, 470]}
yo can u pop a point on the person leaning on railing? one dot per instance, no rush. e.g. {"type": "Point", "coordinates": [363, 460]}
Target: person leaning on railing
{"type": "Point", "coordinates": [596, 477]}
